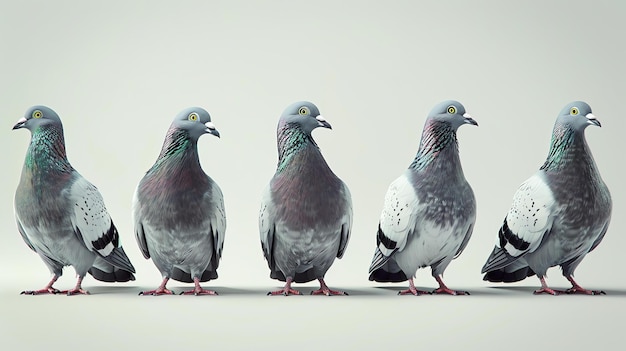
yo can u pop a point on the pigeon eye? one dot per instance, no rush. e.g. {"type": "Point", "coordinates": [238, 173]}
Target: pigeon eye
{"type": "Point", "coordinates": [193, 116]}
{"type": "Point", "coordinates": [37, 114]}
{"type": "Point", "coordinates": [573, 111]}
{"type": "Point", "coordinates": [303, 110]}
{"type": "Point", "coordinates": [451, 109]}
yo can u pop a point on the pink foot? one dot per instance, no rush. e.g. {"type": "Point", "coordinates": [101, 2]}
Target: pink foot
{"type": "Point", "coordinates": [43, 291]}
{"type": "Point", "coordinates": [326, 291]}
{"type": "Point", "coordinates": [200, 291]}
{"type": "Point", "coordinates": [157, 292]}
{"type": "Point", "coordinates": [546, 290]}
{"type": "Point", "coordinates": [580, 290]}
{"type": "Point", "coordinates": [76, 291]}
{"type": "Point", "coordinates": [577, 289]}
{"type": "Point", "coordinates": [413, 291]}
{"type": "Point", "coordinates": [287, 290]}
{"type": "Point", "coordinates": [445, 290]}
{"type": "Point", "coordinates": [49, 289]}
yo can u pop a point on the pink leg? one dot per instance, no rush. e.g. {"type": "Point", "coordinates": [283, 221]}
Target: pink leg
{"type": "Point", "coordinates": [161, 290]}
{"type": "Point", "coordinates": [78, 290]}
{"type": "Point", "coordinates": [287, 290]}
{"type": "Point", "coordinates": [47, 290]}
{"type": "Point", "coordinates": [577, 289]}
{"type": "Point", "coordinates": [324, 290]}
{"type": "Point", "coordinates": [443, 289]}
{"type": "Point", "coordinates": [545, 289]}
{"type": "Point", "coordinates": [412, 290]}
{"type": "Point", "coordinates": [198, 290]}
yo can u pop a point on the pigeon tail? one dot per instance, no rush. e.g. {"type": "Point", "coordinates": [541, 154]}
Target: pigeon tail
{"type": "Point", "coordinates": [299, 277]}
{"type": "Point", "coordinates": [498, 260]}
{"type": "Point", "coordinates": [379, 259]}
{"type": "Point", "coordinates": [384, 269]}
{"type": "Point", "coordinates": [118, 258]}
{"type": "Point", "coordinates": [503, 276]}
{"type": "Point", "coordinates": [182, 276]}
{"type": "Point", "coordinates": [117, 275]}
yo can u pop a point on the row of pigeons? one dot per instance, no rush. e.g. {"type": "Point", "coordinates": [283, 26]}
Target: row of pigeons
{"type": "Point", "coordinates": [558, 215]}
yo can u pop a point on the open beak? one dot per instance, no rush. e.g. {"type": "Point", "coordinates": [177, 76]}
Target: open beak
{"type": "Point", "coordinates": [210, 128]}
{"type": "Point", "coordinates": [592, 120]}
{"type": "Point", "coordinates": [322, 122]}
{"type": "Point", "coordinates": [20, 123]}
{"type": "Point", "coordinates": [469, 119]}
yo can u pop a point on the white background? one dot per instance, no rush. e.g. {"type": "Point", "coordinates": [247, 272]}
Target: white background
{"type": "Point", "coordinates": [118, 72]}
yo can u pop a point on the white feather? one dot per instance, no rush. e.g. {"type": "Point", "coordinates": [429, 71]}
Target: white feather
{"type": "Point", "coordinates": [398, 217]}
{"type": "Point", "coordinates": [89, 214]}
{"type": "Point", "coordinates": [531, 214]}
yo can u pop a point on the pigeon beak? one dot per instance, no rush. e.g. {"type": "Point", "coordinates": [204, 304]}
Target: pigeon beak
{"type": "Point", "coordinates": [592, 120]}
{"type": "Point", "coordinates": [210, 128]}
{"type": "Point", "coordinates": [321, 122]}
{"type": "Point", "coordinates": [20, 123]}
{"type": "Point", "coordinates": [469, 119]}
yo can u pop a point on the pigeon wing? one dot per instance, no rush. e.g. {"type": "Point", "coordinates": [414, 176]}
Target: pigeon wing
{"type": "Point", "coordinates": [346, 224]}
{"type": "Point", "coordinates": [397, 220]}
{"type": "Point", "coordinates": [267, 226]}
{"type": "Point", "coordinates": [527, 222]}
{"type": "Point", "coordinates": [93, 225]}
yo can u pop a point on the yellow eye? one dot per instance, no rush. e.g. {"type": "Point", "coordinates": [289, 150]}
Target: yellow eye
{"type": "Point", "coordinates": [193, 116]}
{"type": "Point", "coordinates": [574, 111]}
{"type": "Point", "coordinates": [451, 109]}
{"type": "Point", "coordinates": [303, 110]}
{"type": "Point", "coordinates": [37, 114]}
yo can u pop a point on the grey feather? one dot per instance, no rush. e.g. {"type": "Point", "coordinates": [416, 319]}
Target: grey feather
{"type": "Point", "coordinates": [178, 209]}
{"type": "Point", "coordinates": [559, 214]}
{"type": "Point", "coordinates": [59, 214]}
{"type": "Point", "coordinates": [430, 210]}
{"type": "Point", "coordinates": [306, 211]}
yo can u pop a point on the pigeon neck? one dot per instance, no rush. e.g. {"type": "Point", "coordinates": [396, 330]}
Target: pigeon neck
{"type": "Point", "coordinates": [46, 151]}
{"type": "Point", "coordinates": [438, 147]}
{"type": "Point", "coordinates": [569, 151]}
{"type": "Point", "coordinates": [292, 140]}
{"type": "Point", "coordinates": [180, 147]}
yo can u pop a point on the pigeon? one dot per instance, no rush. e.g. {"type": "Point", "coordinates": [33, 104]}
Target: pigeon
{"type": "Point", "coordinates": [60, 215]}
{"type": "Point", "coordinates": [430, 210]}
{"type": "Point", "coordinates": [306, 210]}
{"type": "Point", "coordinates": [559, 214]}
{"type": "Point", "coordinates": [178, 210]}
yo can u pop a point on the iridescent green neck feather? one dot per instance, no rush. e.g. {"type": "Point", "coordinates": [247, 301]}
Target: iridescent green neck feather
{"type": "Point", "coordinates": [46, 152]}
{"type": "Point", "coordinates": [438, 147]}
{"type": "Point", "coordinates": [178, 146]}
{"type": "Point", "coordinates": [291, 140]}
{"type": "Point", "coordinates": [569, 151]}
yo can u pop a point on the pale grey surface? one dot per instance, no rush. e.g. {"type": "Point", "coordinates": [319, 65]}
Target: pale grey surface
{"type": "Point", "coordinates": [117, 72]}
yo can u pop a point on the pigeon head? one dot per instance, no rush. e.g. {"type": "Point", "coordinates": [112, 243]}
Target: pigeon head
{"type": "Point", "coordinates": [577, 116]}
{"type": "Point", "coordinates": [196, 121]}
{"type": "Point", "coordinates": [305, 115]}
{"type": "Point", "coordinates": [36, 117]}
{"type": "Point", "coordinates": [452, 112]}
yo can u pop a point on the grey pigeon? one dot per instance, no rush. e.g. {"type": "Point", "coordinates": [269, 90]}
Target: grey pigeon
{"type": "Point", "coordinates": [179, 211]}
{"type": "Point", "coordinates": [60, 215]}
{"type": "Point", "coordinates": [559, 214]}
{"type": "Point", "coordinates": [306, 210]}
{"type": "Point", "coordinates": [430, 210]}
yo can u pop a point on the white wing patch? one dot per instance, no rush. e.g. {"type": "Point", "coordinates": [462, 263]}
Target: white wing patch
{"type": "Point", "coordinates": [530, 216]}
{"type": "Point", "coordinates": [398, 218]}
{"type": "Point", "coordinates": [90, 219]}
{"type": "Point", "coordinates": [266, 222]}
